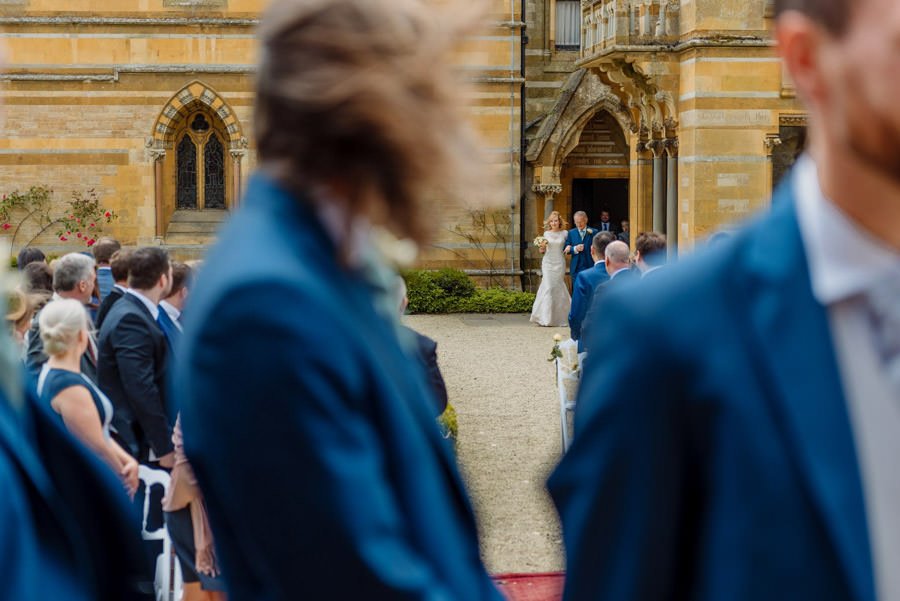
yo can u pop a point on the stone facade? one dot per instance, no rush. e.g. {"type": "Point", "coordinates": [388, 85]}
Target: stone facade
{"type": "Point", "coordinates": [669, 113]}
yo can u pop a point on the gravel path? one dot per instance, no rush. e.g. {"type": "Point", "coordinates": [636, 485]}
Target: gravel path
{"type": "Point", "coordinates": [502, 386]}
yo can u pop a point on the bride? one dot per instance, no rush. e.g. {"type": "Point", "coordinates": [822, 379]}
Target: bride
{"type": "Point", "coordinates": [551, 305]}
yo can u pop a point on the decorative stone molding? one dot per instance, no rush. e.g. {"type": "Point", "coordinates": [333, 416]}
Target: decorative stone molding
{"type": "Point", "coordinates": [793, 120]}
{"type": "Point", "coordinates": [547, 190]}
{"type": "Point", "coordinates": [196, 3]}
{"type": "Point", "coordinates": [180, 104]}
{"type": "Point", "coordinates": [771, 142]}
{"type": "Point", "coordinates": [671, 145]}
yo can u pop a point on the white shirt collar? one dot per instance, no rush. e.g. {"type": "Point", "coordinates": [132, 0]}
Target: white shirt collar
{"type": "Point", "coordinates": [154, 310]}
{"type": "Point", "coordinates": [172, 311]}
{"type": "Point", "coordinates": [844, 260]}
{"type": "Point", "coordinates": [120, 287]}
{"type": "Point", "coordinates": [617, 272]}
{"type": "Point", "coordinates": [651, 270]}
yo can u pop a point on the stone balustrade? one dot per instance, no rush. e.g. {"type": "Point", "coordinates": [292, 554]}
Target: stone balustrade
{"type": "Point", "coordinates": [620, 23]}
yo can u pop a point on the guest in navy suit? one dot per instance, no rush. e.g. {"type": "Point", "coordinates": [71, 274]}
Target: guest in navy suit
{"type": "Point", "coordinates": [103, 251]}
{"type": "Point", "coordinates": [605, 224]}
{"type": "Point", "coordinates": [305, 411]}
{"type": "Point", "coordinates": [118, 265]}
{"type": "Point", "coordinates": [587, 282]}
{"type": "Point", "coordinates": [134, 360]}
{"type": "Point", "coordinates": [578, 244]}
{"type": "Point", "coordinates": [755, 454]}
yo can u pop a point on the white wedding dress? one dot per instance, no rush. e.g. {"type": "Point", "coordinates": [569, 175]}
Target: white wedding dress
{"type": "Point", "coordinates": [551, 305]}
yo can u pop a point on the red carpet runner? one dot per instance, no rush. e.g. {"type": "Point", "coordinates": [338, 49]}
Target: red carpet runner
{"type": "Point", "coordinates": [531, 587]}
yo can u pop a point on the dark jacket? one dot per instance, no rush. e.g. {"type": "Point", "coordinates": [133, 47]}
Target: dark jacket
{"type": "Point", "coordinates": [108, 301]}
{"type": "Point", "coordinates": [35, 357]}
{"type": "Point", "coordinates": [132, 373]}
{"type": "Point", "coordinates": [427, 349]}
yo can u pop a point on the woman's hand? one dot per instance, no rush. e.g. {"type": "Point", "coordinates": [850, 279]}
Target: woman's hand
{"type": "Point", "coordinates": [543, 248]}
{"type": "Point", "coordinates": [568, 249]}
{"type": "Point", "coordinates": [129, 476]}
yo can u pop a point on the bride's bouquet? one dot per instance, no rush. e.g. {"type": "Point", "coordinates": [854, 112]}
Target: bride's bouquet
{"type": "Point", "coordinates": [541, 243]}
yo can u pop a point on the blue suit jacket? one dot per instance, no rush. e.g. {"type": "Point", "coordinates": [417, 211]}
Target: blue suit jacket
{"type": "Point", "coordinates": [582, 260]}
{"type": "Point", "coordinates": [67, 530]}
{"type": "Point", "coordinates": [582, 293]}
{"type": "Point", "coordinates": [310, 428]}
{"type": "Point", "coordinates": [729, 470]}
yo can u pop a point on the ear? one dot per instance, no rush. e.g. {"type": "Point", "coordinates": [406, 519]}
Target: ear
{"type": "Point", "coordinates": [800, 43]}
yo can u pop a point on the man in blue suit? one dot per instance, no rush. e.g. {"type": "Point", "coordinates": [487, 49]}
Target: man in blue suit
{"type": "Point", "coordinates": [578, 244]}
{"type": "Point", "coordinates": [306, 411]}
{"type": "Point", "coordinates": [588, 281]}
{"type": "Point", "coordinates": [754, 455]}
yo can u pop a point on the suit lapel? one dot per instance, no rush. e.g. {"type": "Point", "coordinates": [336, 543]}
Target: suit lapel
{"type": "Point", "coordinates": [795, 355]}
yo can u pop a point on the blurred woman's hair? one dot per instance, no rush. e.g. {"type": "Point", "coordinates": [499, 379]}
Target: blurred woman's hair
{"type": "Point", "coordinates": [563, 224]}
{"type": "Point", "coordinates": [359, 98]}
{"type": "Point", "coordinates": [61, 321]}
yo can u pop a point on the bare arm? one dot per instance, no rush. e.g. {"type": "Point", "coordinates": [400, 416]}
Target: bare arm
{"type": "Point", "coordinates": [82, 419]}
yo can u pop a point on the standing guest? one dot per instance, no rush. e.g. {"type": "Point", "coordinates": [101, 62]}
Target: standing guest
{"type": "Point", "coordinates": [103, 252]}
{"type": "Point", "coordinates": [755, 454]}
{"type": "Point", "coordinates": [650, 252]}
{"type": "Point", "coordinates": [325, 478]}
{"type": "Point", "coordinates": [625, 234]}
{"type": "Point", "coordinates": [133, 360]}
{"type": "Point", "coordinates": [605, 224]}
{"type": "Point", "coordinates": [578, 244]}
{"type": "Point", "coordinates": [586, 283]}
{"type": "Point", "coordinates": [73, 278]}
{"type": "Point", "coordinates": [38, 278]}
{"type": "Point", "coordinates": [29, 255]}
{"type": "Point", "coordinates": [618, 266]}
{"type": "Point", "coordinates": [84, 409]}
{"type": "Point", "coordinates": [552, 301]}
{"type": "Point", "coordinates": [118, 265]}
{"type": "Point", "coordinates": [427, 354]}
{"type": "Point", "coordinates": [174, 303]}
{"type": "Point", "coordinates": [21, 311]}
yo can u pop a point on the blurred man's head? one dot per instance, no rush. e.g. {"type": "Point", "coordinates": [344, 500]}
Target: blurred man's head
{"type": "Point", "coordinates": [181, 285]}
{"type": "Point", "coordinates": [150, 272]}
{"type": "Point", "coordinates": [74, 277]}
{"type": "Point", "coordinates": [599, 244]}
{"type": "Point", "coordinates": [626, 226]}
{"type": "Point", "coordinates": [103, 250]}
{"type": "Point", "coordinates": [29, 255]}
{"type": "Point", "coordinates": [844, 59]}
{"type": "Point", "coordinates": [617, 257]}
{"type": "Point", "coordinates": [38, 278]}
{"type": "Point", "coordinates": [650, 251]}
{"type": "Point", "coordinates": [118, 265]}
{"type": "Point", "coordinates": [580, 218]}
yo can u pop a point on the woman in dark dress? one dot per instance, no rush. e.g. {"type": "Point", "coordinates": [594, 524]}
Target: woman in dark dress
{"type": "Point", "coordinates": [84, 409]}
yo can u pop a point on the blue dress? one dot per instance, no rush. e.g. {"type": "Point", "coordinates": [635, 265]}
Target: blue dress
{"type": "Point", "coordinates": [54, 381]}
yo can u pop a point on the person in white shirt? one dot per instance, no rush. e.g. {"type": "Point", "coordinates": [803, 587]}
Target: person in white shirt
{"type": "Point", "coordinates": [173, 305]}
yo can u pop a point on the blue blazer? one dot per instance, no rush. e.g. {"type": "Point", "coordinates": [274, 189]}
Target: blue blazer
{"type": "Point", "coordinates": [310, 427]}
{"type": "Point", "coordinates": [582, 260]}
{"type": "Point", "coordinates": [582, 293]}
{"type": "Point", "coordinates": [66, 526]}
{"type": "Point", "coordinates": [729, 470]}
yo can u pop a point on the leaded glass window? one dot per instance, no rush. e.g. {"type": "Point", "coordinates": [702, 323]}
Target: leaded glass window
{"type": "Point", "coordinates": [214, 173]}
{"type": "Point", "coordinates": [186, 181]}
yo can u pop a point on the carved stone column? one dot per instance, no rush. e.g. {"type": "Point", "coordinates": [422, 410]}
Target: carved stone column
{"type": "Point", "coordinates": [238, 152]}
{"type": "Point", "coordinates": [672, 196]}
{"type": "Point", "coordinates": [548, 192]}
{"type": "Point", "coordinates": [658, 147]}
{"type": "Point", "coordinates": [771, 142]}
{"type": "Point", "coordinates": [157, 156]}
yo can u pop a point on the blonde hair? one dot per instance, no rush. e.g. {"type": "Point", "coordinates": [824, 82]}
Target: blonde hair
{"type": "Point", "coordinates": [563, 224]}
{"type": "Point", "coordinates": [361, 95]}
{"type": "Point", "coordinates": [61, 321]}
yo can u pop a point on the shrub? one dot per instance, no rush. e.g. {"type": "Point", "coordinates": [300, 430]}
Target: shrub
{"type": "Point", "coordinates": [448, 424]}
{"type": "Point", "coordinates": [452, 291]}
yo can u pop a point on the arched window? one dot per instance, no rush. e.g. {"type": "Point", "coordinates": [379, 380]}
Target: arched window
{"type": "Point", "coordinates": [200, 159]}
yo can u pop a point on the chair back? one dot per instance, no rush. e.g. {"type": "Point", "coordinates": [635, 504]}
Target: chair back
{"type": "Point", "coordinates": [151, 477]}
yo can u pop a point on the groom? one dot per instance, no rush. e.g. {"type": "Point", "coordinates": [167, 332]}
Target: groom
{"type": "Point", "coordinates": [578, 244]}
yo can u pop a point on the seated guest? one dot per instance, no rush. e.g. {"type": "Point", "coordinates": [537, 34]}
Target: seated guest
{"type": "Point", "coordinates": [586, 282]}
{"type": "Point", "coordinates": [29, 255]}
{"type": "Point", "coordinates": [84, 409]}
{"type": "Point", "coordinates": [38, 278]}
{"type": "Point", "coordinates": [103, 251]}
{"type": "Point", "coordinates": [118, 265]}
{"type": "Point", "coordinates": [73, 278]}
{"type": "Point", "coordinates": [427, 354]}
{"type": "Point", "coordinates": [650, 252]}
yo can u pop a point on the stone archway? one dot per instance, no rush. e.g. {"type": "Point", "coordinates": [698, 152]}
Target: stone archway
{"type": "Point", "coordinates": [195, 98]}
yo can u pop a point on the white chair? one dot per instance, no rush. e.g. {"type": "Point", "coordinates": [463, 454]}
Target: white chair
{"type": "Point", "coordinates": [168, 582]}
{"type": "Point", "coordinates": [568, 376]}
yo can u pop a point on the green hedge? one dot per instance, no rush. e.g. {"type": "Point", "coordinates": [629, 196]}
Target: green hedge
{"type": "Point", "coordinates": [452, 291]}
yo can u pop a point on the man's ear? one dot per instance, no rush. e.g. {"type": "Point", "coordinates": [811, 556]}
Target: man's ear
{"type": "Point", "coordinates": [800, 41]}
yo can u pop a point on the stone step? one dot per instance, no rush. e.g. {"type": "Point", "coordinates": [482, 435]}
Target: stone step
{"type": "Point", "coordinates": [186, 252]}
{"type": "Point", "coordinates": [193, 227]}
{"type": "Point", "coordinates": [206, 216]}
{"type": "Point", "coordinates": [192, 240]}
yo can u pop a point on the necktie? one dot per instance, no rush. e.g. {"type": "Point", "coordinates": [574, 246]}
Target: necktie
{"type": "Point", "coordinates": [169, 329]}
{"type": "Point", "coordinates": [884, 313]}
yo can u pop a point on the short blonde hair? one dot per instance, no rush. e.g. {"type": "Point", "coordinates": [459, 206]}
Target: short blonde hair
{"type": "Point", "coordinates": [563, 224]}
{"type": "Point", "coordinates": [360, 94]}
{"type": "Point", "coordinates": [61, 321]}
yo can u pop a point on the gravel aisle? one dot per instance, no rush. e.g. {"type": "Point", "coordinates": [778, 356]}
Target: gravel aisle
{"type": "Point", "coordinates": [502, 386]}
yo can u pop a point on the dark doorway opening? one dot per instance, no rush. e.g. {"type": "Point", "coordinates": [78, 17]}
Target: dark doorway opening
{"type": "Point", "coordinates": [593, 196]}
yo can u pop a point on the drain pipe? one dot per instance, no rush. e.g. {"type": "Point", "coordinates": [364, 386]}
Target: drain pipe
{"type": "Point", "coordinates": [523, 192]}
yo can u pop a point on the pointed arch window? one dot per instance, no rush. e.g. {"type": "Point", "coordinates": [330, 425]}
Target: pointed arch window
{"type": "Point", "coordinates": [201, 167]}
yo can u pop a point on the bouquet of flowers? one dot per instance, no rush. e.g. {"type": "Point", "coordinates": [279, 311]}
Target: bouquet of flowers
{"type": "Point", "coordinates": [541, 243]}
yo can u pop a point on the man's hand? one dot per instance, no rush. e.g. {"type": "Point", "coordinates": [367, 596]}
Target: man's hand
{"type": "Point", "coordinates": [167, 461]}
{"type": "Point", "coordinates": [579, 248]}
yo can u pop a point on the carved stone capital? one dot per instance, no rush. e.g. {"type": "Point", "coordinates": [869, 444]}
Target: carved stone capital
{"type": "Point", "coordinates": [548, 191]}
{"type": "Point", "coordinates": [772, 142]}
{"type": "Point", "coordinates": [671, 146]}
{"type": "Point", "coordinates": [156, 154]}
